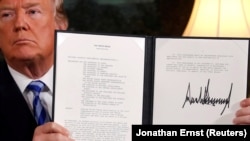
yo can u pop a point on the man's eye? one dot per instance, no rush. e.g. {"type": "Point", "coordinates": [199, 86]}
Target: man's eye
{"type": "Point", "coordinates": [4, 15]}
{"type": "Point", "coordinates": [32, 12]}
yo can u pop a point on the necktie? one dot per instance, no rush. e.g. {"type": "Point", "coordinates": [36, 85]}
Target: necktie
{"type": "Point", "coordinates": [39, 111]}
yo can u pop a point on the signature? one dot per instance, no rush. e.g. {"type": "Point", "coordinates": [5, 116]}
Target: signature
{"type": "Point", "coordinates": [206, 99]}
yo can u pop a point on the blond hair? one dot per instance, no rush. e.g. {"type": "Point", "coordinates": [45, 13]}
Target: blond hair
{"type": "Point", "coordinates": [60, 15]}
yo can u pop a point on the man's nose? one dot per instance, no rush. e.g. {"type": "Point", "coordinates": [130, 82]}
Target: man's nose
{"type": "Point", "coordinates": [20, 22]}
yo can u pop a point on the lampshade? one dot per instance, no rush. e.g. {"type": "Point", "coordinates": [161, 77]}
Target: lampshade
{"type": "Point", "coordinates": [219, 18]}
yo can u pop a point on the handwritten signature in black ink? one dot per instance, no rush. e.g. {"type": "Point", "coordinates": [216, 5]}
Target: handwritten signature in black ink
{"type": "Point", "coordinates": [206, 99]}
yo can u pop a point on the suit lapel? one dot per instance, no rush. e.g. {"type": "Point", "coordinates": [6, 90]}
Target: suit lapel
{"type": "Point", "coordinates": [15, 114]}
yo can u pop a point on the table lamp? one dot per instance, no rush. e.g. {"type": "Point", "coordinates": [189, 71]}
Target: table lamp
{"type": "Point", "coordinates": [219, 18]}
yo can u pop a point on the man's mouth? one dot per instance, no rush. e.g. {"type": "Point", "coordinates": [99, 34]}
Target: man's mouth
{"type": "Point", "coordinates": [22, 41]}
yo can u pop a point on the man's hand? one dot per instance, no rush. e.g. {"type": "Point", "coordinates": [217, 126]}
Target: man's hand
{"type": "Point", "coordinates": [51, 131]}
{"type": "Point", "coordinates": [243, 114]}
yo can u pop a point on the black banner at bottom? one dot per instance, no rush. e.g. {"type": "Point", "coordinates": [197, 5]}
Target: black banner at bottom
{"type": "Point", "coordinates": [204, 132]}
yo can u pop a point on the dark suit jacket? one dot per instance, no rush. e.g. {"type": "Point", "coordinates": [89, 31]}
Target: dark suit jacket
{"type": "Point", "coordinates": [16, 120]}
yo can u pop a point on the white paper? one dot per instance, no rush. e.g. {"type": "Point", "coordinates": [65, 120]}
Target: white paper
{"type": "Point", "coordinates": [202, 69]}
{"type": "Point", "coordinates": [99, 85]}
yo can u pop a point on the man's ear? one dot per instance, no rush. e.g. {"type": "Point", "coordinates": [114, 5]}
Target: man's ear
{"type": "Point", "coordinates": [61, 24]}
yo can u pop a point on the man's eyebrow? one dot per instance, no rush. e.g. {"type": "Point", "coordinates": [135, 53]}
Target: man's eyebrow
{"type": "Point", "coordinates": [5, 7]}
{"type": "Point", "coordinates": [9, 7]}
{"type": "Point", "coordinates": [28, 5]}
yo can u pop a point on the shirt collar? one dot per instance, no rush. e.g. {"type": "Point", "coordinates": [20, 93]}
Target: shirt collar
{"type": "Point", "coordinates": [22, 81]}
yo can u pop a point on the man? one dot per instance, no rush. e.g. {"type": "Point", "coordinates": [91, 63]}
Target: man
{"type": "Point", "coordinates": [27, 42]}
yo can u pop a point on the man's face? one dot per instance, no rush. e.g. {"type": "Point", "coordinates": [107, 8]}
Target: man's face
{"type": "Point", "coordinates": [27, 29]}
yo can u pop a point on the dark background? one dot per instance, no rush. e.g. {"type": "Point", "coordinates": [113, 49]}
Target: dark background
{"type": "Point", "coordinates": [139, 17]}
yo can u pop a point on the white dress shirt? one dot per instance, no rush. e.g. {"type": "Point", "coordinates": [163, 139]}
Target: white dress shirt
{"type": "Point", "coordinates": [46, 97]}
